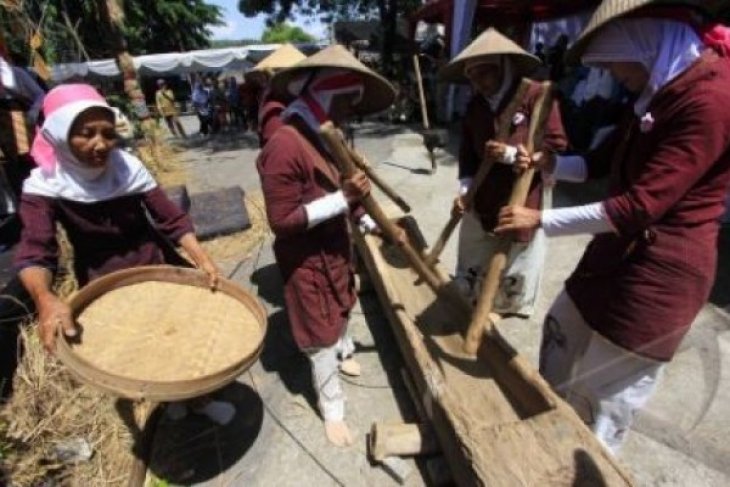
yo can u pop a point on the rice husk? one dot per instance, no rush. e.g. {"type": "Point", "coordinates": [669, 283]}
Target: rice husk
{"type": "Point", "coordinates": [166, 332]}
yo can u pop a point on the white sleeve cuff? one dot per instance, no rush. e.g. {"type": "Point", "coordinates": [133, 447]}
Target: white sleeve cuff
{"type": "Point", "coordinates": [464, 185]}
{"type": "Point", "coordinates": [510, 154]}
{"type": "Point", "coordinates": [600, 136]}
{"type": "Point", "coordinates": [570, 168]}
{"type": "Point", "coordinates": [591, 219]}
{"type": "Point", "coordinates": [7, 75]}
{"type": "Point", "coordinates": [324, 208]}
{"type": "Point", "coordinates": [367, 224]}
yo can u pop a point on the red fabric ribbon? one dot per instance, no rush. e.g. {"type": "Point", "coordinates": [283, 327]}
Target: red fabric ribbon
{"type": "Point", "coordinates": [716, 36]}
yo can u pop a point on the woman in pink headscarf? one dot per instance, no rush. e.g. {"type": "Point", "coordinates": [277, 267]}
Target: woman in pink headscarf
{"type": "Point", "coordinates": [651, 264]}
{"type": "Point", "coordinates": [101, 196]}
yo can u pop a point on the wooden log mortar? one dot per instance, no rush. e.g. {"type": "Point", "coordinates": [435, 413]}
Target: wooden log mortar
{"type": "Point", "coordinates": [498, 261]}
{"type": "Point", "coordinates": [481, 174]}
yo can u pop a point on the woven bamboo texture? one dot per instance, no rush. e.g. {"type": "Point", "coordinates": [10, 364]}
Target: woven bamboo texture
{"type": "Point", "coordinates": [159, 333]}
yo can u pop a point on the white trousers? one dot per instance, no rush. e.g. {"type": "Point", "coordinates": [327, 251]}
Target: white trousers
{"type": "Point", "coordinates": [521, 280]}
{"type": "Point", "coordinates": [325, 364]}
{"type": "Point", "coordinates": [605, 384]}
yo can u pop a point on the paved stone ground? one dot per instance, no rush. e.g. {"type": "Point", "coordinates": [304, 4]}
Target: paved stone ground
{"type": "Point", "coordinates": [679, 440]}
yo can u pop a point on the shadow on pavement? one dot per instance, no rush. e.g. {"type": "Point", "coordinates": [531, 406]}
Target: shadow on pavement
{"type": "Point", "coordinates": [194, 449]}
{"type": "Point", "coordinates": [720, 295]}
{"type": "Point", "coordinates": [280, 353]}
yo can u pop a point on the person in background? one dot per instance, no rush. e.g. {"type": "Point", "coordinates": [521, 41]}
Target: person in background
{"type": "Point", "coordinates": [202, 105]}
{"type": "Point", "coordinates": [165, 101]}
{"type": "Point", "coordinates": [220, 105]}
{"type": "Point", "coordinates": [651, 263]}
{"type": "Point", "coordinates": [235, 108]}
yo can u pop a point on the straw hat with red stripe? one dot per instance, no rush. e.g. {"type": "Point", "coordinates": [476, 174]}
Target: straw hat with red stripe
{"type": "Point", "coordinates": [489, 43]}
{"type": "Point", "coordinates": [378, 93]}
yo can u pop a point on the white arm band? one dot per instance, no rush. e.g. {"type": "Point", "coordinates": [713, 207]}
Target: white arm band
{"type": "Point", "coordinates": [367, 224]}
{"type": "Point", "coordinates": [464, 185]}
{"type": "Point", "coordinates": [590, 219]}
{"type": "Point", "coordinates": [324, 208]}
{"type": "Point", "coordinates": [570, 168]}
{"type": "Point", "coordinates": [510, 154]}
{"type": "Point", "coordinates": [7, 76]}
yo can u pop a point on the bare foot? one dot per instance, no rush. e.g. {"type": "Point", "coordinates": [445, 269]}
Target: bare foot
{"type": "Point", "coordinates": [350, 367]}
{"type": "Point", "coordinates": [338, 433]}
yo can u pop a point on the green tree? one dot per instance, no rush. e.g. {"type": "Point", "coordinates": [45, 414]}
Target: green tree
{"type": "Point", "coordinates": [283, 32]}
{"type": "Point", "coordinates": [386, 11]}
{"type": "Point", "coordinates": [76, 29]}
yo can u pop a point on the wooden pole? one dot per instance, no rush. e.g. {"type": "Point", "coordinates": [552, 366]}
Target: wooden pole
{"type": "Point", "coordinates": [388, 190]}
{"type": "Point", "coordinates": [424, 110]}
{"type": "Point", "coordinates": [147, 415]}
{"type": "Point", "coordinates": [480, 176]}
{"type": "Point", "coordinates": [338, 148]}
{"type": "Point", "coordinates": [421, 92]}
{"type": "Point", "coordinates": [401, 440]}
{"type": "Point", "coordinates": [498, 261]}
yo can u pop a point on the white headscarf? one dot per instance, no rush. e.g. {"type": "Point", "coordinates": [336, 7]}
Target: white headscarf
{"type": "Point", "coordinates": [666, 48]}
{"type": "Point", "coordinates": [67, 178]}
{"type": "Point", "coordinates": [505, 63]}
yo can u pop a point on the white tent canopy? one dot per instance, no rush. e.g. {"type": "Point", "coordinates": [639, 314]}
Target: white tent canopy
{"type": "Point", "coordinates": [230, 58]}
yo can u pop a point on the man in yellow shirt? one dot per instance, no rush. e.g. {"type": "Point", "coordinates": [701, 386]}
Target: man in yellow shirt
{"type": "Point", "coordinates": [165, 101]}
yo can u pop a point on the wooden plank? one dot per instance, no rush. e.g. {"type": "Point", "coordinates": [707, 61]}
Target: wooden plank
{"type": "Point", "coordinates": [497, 421]}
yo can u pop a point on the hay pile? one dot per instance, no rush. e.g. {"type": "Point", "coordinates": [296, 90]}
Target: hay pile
{"type": "Point", "coordinates": [49, 407]}
{"type": "Point", "coordinates": [160, 157]}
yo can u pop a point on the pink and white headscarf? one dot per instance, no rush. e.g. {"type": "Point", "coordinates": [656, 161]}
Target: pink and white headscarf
{"type": "Point", "coordinates": [315, 94]}
{"type": "Point", "coordinates": [60, 174]}
{"type": "Point", "coordinates": [666, 48]}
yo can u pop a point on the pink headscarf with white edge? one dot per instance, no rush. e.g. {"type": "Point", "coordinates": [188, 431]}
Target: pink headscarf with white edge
{"type": "Point", "coordinates": [60, 174]}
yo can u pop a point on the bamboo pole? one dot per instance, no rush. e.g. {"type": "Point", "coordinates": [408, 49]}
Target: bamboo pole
{"type": "Point", "coordinates": [481, 175]}
{"type": "Point", "coordinates": [421, 93]}
{"type": "Point", "coordinates": [401, 440]}
{"type": "Point", "coordinates": [388, 190]}
{"type": "Point", "coordinates": [146, 415]}
{"type": "Point", "coordinates": [424, 110]}
{"type": "Point", "coordinates": [338, 148]}
{"type": "Point", "coordinates": [498, 261]}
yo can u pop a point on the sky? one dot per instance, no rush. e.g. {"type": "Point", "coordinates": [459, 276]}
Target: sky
{"type": "Point", "coordinates": [237, 26]}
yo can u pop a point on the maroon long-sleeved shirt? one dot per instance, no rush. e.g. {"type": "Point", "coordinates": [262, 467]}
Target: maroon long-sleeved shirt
{"type": "Point", "coordinates": [106, 236]}
{"type": "Point", "coordinates": [643, 287]}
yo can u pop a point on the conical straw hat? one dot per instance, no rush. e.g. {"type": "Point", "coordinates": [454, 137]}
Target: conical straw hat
{"type": "Point", "coordinates": [284, 57]}
{"type": "Point", "coordinates": [612, 9]}
{"type": "Point", "coordinates": [378, 95]}
{"type": "Point", "coordinates": [489, 43]}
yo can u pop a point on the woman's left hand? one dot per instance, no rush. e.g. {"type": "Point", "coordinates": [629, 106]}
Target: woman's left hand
{"type": "Point", "coordinates": [201, 258]}
{"type": "Point", "coordinates": [517, 218]}
{"type": "Point", "coordinates": [214, 273]}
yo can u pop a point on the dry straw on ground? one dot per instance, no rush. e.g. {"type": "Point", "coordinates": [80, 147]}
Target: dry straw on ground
{"type": "Point", "coordinates": [49, 407]}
